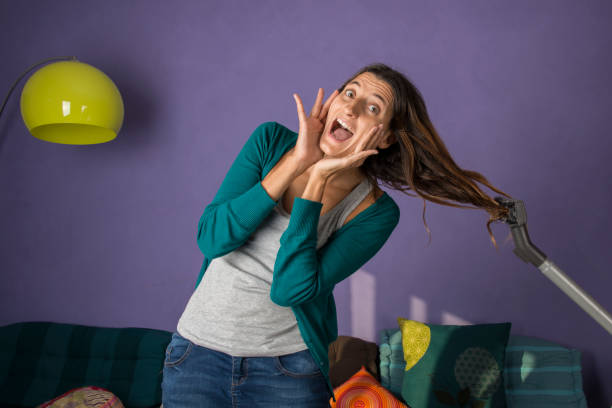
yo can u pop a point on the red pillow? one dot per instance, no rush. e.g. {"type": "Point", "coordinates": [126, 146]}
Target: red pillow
{"type": "Point", "coordinates": [85, 397]}
{"type": "Point", "coordinates": [363, 391]}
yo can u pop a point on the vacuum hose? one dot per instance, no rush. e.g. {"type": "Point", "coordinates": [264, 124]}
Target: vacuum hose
{"type": "Point", "coordinates": [524, 249]}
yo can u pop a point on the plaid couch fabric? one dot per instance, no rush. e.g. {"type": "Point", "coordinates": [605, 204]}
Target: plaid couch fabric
{"type": "Point", "coordinates": [42, 360]}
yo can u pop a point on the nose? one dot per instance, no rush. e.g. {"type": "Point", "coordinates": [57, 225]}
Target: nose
{"type": "Point", "coordinates": [351, 108]}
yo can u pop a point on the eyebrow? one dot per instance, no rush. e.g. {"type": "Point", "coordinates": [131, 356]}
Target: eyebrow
{"type": "Point", "coordinates": [376, 95]}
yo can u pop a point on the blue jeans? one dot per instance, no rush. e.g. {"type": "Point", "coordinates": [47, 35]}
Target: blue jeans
{"type": "Point", "coordinates": [196, 376]}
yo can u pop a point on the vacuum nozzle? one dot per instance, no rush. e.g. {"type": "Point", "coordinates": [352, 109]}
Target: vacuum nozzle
{"type": "Point", "coordinates": [517, 219]}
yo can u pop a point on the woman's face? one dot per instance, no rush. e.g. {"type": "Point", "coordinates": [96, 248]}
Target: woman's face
{"type": "Point", "coordinates": [364, 102]}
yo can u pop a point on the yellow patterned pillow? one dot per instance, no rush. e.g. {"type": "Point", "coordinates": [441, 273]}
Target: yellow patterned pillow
{"type": "Point", "coordinates": [416, 337]}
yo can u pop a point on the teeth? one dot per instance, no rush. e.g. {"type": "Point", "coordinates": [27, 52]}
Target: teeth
{"type": "Point", "coordinates": [344, 125]}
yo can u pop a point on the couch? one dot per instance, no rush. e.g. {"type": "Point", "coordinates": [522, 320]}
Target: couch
{"type": "Point", "coordinates": [41, 360]}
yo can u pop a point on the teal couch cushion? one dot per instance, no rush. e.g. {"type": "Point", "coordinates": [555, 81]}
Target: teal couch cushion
{"type": "Point", "coordinates": [542, 373]}
{"type": "Point", "coordinates": [42, 360]}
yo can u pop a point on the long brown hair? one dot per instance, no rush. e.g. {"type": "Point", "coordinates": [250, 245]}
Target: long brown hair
{"type": "Point", "coordinates": [418, 159]}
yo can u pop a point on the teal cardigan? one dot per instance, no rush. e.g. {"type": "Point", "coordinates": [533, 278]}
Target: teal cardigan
{"type": "Point", "coordinates": [304, 277]}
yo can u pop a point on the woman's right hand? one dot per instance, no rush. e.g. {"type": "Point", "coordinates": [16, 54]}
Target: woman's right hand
{"type": "Point", "coordinates": [306, 151]}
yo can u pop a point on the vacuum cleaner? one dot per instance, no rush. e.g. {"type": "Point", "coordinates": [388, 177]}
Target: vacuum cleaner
{"type": "Point", "coordinates": [529, 253]}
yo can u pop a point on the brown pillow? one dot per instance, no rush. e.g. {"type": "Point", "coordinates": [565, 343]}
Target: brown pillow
{"type": "Point", "coordinates": [347, 355]}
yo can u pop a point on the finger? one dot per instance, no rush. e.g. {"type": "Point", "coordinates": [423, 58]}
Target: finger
{"type": "Point", "coordinates": [300, 108]}
{"type": "Point", "coordinates": [314, 112]}
{"type": "Point", "coordinates": [370, 152]}
{"type": "Point", "coordinates": [366, 141]}
{"type": "Point", "coordinates": [358, 159]}
{"type": "Point", "coordinates": [375, 137]}
{"type": "Point", "coordinates": [327, 104]}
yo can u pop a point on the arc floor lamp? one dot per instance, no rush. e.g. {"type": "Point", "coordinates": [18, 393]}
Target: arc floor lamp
{"type": "Point", "coordinates": [70, 102]}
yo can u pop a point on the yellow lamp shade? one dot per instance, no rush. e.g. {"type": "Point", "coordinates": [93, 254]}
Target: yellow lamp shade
{"type": "Point", "coordinates": [71, 102]}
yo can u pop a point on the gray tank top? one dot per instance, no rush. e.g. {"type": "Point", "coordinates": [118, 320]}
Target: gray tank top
{"type": "Point", "coordinates": [231, 311]}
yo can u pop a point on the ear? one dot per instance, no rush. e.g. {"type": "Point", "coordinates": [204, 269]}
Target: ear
{"type": "Point", "coordinates": [388, 140]}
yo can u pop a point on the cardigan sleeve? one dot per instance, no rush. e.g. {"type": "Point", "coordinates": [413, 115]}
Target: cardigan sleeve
{"type": "Point", "coordinates": [301, 273]}
{"type": "Point", "coordinates": [241, 202]}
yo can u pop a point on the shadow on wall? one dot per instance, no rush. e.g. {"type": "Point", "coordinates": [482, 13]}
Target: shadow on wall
{"type": "Point", "coordinates": [362, 290]}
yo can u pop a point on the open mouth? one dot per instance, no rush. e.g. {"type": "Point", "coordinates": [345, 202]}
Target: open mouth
{"type": "Point", "coordinates": [340, 132]}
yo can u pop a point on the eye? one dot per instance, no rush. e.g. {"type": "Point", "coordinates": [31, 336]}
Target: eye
{"type": "Point", "coordinates": [373, 108]}
{"type": "Point", "coordinates": [349, 93]}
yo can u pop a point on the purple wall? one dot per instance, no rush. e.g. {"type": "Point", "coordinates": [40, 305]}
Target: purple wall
{"type": "Point", "coordinates": [105, 235]}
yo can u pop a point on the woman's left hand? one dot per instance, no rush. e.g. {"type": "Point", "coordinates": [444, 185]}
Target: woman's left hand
{"type": "Point", "coordinates": [330, 165]}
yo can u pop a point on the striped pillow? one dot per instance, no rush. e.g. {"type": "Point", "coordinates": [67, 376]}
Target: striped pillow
{"type": "Point", "coordinates": [542, 373]}
{"type": "Point", "coordinates": [392, 362]}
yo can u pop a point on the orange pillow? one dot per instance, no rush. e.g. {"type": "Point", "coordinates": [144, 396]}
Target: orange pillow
{"type": "Point", "coordinates": [363, 391]}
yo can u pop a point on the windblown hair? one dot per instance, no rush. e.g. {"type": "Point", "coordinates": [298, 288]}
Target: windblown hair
{"type": "Point", "coordinates": [418, 159]}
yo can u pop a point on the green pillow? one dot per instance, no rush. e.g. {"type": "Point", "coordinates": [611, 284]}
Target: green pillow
{"type": "Point", "coordinates": [454, 365]}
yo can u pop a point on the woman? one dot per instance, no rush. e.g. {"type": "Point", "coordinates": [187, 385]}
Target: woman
{"type": "Point", "coordinates": [295, 215]}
